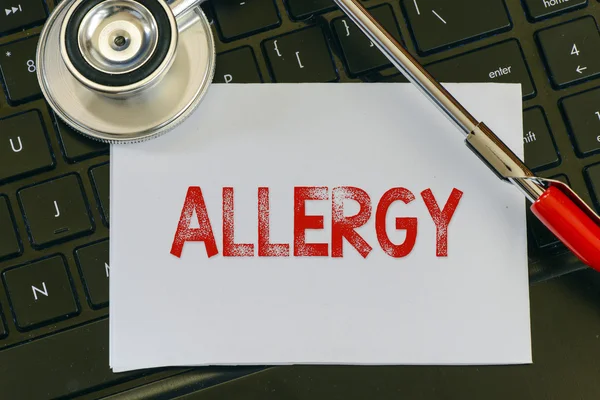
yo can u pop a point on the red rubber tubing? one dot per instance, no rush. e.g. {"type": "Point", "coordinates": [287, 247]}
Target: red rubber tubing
{"type": "Point", "coordinates": [576, 229]}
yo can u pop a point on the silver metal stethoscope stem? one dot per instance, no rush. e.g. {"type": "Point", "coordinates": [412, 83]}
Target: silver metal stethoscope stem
{"type": "Point", "coordinates": [182, 7]}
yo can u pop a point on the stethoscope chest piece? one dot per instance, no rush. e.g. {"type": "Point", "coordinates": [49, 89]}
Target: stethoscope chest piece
{"type": "Point", "coordinates": [125, 70]}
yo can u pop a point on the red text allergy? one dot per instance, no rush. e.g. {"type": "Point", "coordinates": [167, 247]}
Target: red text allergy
{"type": "Point", "coordinates": [343, 227]}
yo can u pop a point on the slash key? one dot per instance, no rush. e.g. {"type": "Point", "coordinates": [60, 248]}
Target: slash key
{"type": "Point", "coordinates": [440, 24]}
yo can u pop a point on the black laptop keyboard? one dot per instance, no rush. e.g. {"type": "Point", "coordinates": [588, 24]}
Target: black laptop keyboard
{"type": "Point", "coordinates": [54, 183]}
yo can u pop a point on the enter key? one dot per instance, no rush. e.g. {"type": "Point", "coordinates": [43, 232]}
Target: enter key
{"type": "Point", "coordinates": [501, 62]}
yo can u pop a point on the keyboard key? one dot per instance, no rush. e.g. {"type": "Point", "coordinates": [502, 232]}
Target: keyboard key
{"type": "Point", "coordinates": [593, 177]}
{"type": "Point", "coordinates": [582, 112]}
{"type": "Point", "coordinates": [101, 179]}
{"type": "Point", "coordinates": [542, 235]}
{"type": "Point", "coordinates": [3, 331]}
{"type": "Point", "coordinates": [300, 9]}
{"type": "Point", "coordinates": [240, 18]}
{"type": "Point", "coordinates": [540, 9]}
{"type": "Point", "coordinates": [540, 150]}
{"type": "Point", "coordinates": [360, 54]}
{"type": "Point", "coordinates": [77, 147]}
{"type": "Point", "coordinates": [237, 66]}
{"type": "Point", "coordinates": [571, 51]}
{"type": "Point", "coordinates": [94, 267]}
{"type": "Point", "coordinates": [60, 365]}
{"type": "Point", "coordinates": [17, 62]}
{"type": "Point", "coordinates": [17, 14]}
{"type": "Point", "coordinates": [301, 56]}
{"type": "Point", "coordinates": [208, 12]}
{"type": "Point", "coordinates": [439, 24]}
{"type": "Point", "coordinates": [24, 146]}
{"type": "Point", "coordinates": [501, 62]}
{"type": "Point", "coordinates": [55, 210]}
{"type": "Point", "coordinates": [396, 78]}
{"type": "Point", "coordinates": [9, 242]}
{"type": "Point", "coordinates": [40, 292]}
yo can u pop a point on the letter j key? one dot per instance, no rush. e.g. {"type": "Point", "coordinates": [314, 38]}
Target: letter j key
{"type": "Point", "coordinates": [55, 210]}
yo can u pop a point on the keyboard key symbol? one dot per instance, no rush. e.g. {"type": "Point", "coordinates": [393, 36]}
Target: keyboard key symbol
{"type": "Point", "coordinates": [36, 290]}
{"type": "Point", "coordinates": [237, 66]}
{"type": "Point", "coordinates": [13, 10]}
{"type": "Point", "coordinates": [57, 210]}
{"type": "Point", "coordinates": [40, 292]}
{"type": "Point", "coordinates": [93, 263]}
{"type": "Point", "coordinates": [18, 148]}
{"type": "Point", "coordinates": [570, 51]}
{"type": "Point", "coordinates": [439, 17]}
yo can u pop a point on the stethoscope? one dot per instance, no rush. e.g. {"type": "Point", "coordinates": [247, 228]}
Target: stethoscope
{"type": "Point", "coordinates": [123, 71]}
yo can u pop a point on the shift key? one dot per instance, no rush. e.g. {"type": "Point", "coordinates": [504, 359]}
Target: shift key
{"type": "Point", "coordinates": [502, 63]}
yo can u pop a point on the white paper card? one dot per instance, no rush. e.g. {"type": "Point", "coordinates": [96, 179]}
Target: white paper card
{"type": "Point", "coordinates": [468, 307]}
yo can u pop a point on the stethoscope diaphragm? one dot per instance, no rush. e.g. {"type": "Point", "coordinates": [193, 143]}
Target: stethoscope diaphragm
{"type": "Point", "coordinates": [123, 71]}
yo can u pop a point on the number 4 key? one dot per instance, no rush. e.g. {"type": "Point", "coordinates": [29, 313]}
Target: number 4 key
{"type": "Point", "coordinates": [17, 64]}
{"type": "Point", "coordinates": [571, 51]}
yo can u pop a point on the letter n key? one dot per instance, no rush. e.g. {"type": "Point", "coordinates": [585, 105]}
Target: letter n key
{"type": "Point", "coordinates": [40, 292]}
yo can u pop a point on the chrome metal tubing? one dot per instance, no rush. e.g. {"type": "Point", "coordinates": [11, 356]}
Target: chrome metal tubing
{"type": "Point", "coordinates": [409, 66]}
{"type": "Point", "coordinates": [531, 188]}
{"type": "Point", "coordinates": [497, 155]}
{"type": "Point", "coordinates": [180, 7]}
